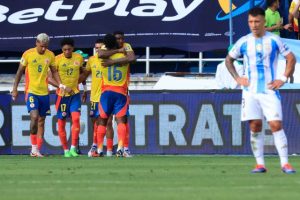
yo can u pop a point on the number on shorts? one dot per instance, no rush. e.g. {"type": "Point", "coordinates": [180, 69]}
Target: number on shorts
{"type": "Point", "coordinates": [31, 99]}
{"type": "Point", "coordinates": [63, 107]}
{"type": "Point", "coordinates": [93, 105]}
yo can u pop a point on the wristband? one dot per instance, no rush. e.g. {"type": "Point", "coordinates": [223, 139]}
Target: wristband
{"type": "Point", "coordinates": [283, 78]}
{"type": "Point", "coordinates": [61, 86]}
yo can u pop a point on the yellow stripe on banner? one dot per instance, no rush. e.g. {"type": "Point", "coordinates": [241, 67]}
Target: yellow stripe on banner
{"type": "Point", "coordinates": [225, 5]}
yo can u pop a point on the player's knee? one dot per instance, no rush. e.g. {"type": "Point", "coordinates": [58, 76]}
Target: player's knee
{"type": "Point", "coordinates": [275, 126]}
{"type": "Point", "coordinates": [34, 129]}
{"type": "Point", "coordinates": [256, 126]}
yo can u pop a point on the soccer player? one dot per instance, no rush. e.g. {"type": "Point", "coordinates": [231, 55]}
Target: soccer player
{"type": "Point", "coordinates": [94, 67]}
{"type": "Point", "coordinates": [260, 86]}
{"type": "Point", "coordinates": [37, 61]}
{"type": "Point", "coordinates": [113, 100]}
{"type": "Point", "coordinates": [68, 102]}
{"type": "Point", "coordinates": [127, 49]}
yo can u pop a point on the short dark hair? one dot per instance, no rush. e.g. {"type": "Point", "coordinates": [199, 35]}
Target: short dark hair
{"type": "Point", "coordinates": [100, 40]}
{"type": "Point", "coordinates": [67, 41]}
{"type": "Point", "coordinates": [119, 33]}
{"type": "Point", "coordinates": [110, 41]}
{"type": "Point", "coordinates": [256, 11]}
{"type": "Point", "coordinates": [270, 2]}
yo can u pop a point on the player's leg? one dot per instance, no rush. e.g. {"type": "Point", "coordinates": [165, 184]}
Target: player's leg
{"type": "Point", "coordinates": [127, 152]}
{"type": "Point", "coordinates": [75, 105]}
{"type": "Point", "coordinates": [109, 136]}
{"type": "Point", "coordinates": [94, 114]}
{"type": "Point", "coordinates": [257, 145]}
{"type": "Point", "coordinates": [61, 108]}
{"type": "Point", "coordinates": [33, 105]}
{"type": "Point", "coordinates": [271, 105]}
{"type": "Point", "coordinates": [40, 133]}
{"type": "Point", "coordinates": [120, 110]}
{"type": "Point", "coordinates": [252, 112]}
{"type": "Point", "coordinates": [105, 110]}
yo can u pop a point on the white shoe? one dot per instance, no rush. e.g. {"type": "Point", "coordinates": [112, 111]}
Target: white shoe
{"type": "Point", "coordinates": [93, 149]}
{"type": "Point", "coordinates": [36, 154]}
{"type": "Point", "coordinates": [127, 154]}
{"type": "Point", "coordinates": [109, 153]}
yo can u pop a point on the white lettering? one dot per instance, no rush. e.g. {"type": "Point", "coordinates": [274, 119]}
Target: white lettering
{"type": "Point", "coordinates": [26, 16]}
{"type": "Point", "coordinates": [207, 127]}
{"type": "Point", "coordinates": [121, 8]}
{"type": "Point", "coordinates": [140, 112]}
{"type": "Point", "coordinates": [3, 10]}
{"type": "Point", "coordinates": [85, 7]}
{"type": "Point", "coordinates": [235, 112]}
{"type": "Point", "coordinates": [150, 10]}
{"type": "Point", "coordinates": [55, 6]}
{"type": "Point", "coordinates": [2, 143]}
{"type": "Point", "coordinates": [166, 126]}
{"type": "Point", "coordinates": [181, 10]}
{"type": "Point", "coordinates": [19, 125]}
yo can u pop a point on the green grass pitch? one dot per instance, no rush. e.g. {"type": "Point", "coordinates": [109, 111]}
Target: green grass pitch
{"type": "Point", "coordinates": [145, 177]}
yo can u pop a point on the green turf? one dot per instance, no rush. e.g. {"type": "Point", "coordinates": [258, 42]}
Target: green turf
{"type": "Point", "coordinates": [145, 177]}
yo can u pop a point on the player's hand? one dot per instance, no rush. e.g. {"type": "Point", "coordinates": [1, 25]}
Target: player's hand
{"type": "Point", "coordinates": [275, 85]}
{"type": "Point", "coordinates": [69, 91]}
{"type": "Point", "coordinates": [107, 62]}
{"type": "Point", "coordinates": [122, 50]}
{"type": "Point", "coordinates": [288, 27]}
{"type": "Point", "coordinates": [84, 96]}
{"type": "Point", "coordinates": [14, 94]}
{"type": "Point", "coordinates": [243, 81]}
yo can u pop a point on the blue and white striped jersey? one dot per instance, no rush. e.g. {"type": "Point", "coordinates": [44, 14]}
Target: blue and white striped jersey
{"type": "Point", "coordinates": [260, 59]}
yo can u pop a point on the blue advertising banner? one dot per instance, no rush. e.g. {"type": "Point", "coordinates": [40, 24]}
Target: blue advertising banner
{"type": "Point", "coordinates": [194, 25]}
{"type": "Point", "coordinates": [162, 122]}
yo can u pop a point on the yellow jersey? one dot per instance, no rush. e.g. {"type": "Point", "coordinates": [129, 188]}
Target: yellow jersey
{"type": "Point", "coordinates": [69, 71]}
{"type": "Point", "coordinates": [295, 21]}
{"type": "Point", "coordinates": [115, 78]}
{"type": "Point", "coordinates": [36, 71]}
{"type": "Point", "coordinates": [94, 66]}
{"type": "Point", "coordinates": [127, 47]}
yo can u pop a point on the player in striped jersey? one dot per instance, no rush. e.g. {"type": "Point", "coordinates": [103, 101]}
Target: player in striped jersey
{"type": "Point", "coordinates": [36, 63]}
{"type": "Point", "coordinates": [260, 86]}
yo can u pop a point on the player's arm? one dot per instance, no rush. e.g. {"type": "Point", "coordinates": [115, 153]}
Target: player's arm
{"type": "Point", "coordinates": [83, 75]}
{"type": "Point", "coordinates": [230, 66]}
{"type": "Point", "coordinates": [18, 77]}
{"type": "Point", "coordinates": [104, 54]}
{"type": "Point", "coordinates": [51, 80]}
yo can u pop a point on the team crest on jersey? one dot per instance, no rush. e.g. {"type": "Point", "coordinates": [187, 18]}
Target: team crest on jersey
{"type": "Point", "coordinates": [32, 105]}
{"type": "Point", "coordinates": [64, 65]}
{"type": "Point", "coordinates": [259, 47]}
{"type": "Point", "coordinates": [76, 63]}
{"type": "Point", "coordinates": [64, 114]}
{"type": "Point", "coordinates": [47, 61]}
{"type": "Point", "coordinates": [34, 61]}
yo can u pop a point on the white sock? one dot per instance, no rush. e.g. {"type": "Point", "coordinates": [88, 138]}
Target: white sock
{"type": "Point", "coordinates": [94, 145]}
{"type": "Point", "coordinates": [281, 144]}
{"type": "Point", "coordinates": [126, 148]}
{"type": "Point", "coordinates": [73, 147]}
{"type": "Point", "coordinates": [34, 148]}
{"type": "Point", "coordinates": [257, 145]}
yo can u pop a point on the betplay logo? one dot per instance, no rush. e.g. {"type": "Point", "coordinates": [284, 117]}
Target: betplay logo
{"type": "Point", "coordinates": [144, 8]}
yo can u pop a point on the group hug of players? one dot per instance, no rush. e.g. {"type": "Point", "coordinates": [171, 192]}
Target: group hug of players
{"type": "Point", "coordinates": [109, 70]}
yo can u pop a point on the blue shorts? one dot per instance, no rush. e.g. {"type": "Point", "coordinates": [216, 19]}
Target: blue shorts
{"type": "Point", "coordinates": [66, 105]}
{"type": "Point", "coordinates": [38, 102]}
{"type": "Point", "coordinates": [113, 103]}
{"type": "Point", "coordinates": [94, 110]}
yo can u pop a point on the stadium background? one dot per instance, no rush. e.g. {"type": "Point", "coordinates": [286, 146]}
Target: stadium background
{"type": "Point", "coordinates": [180, 122]}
